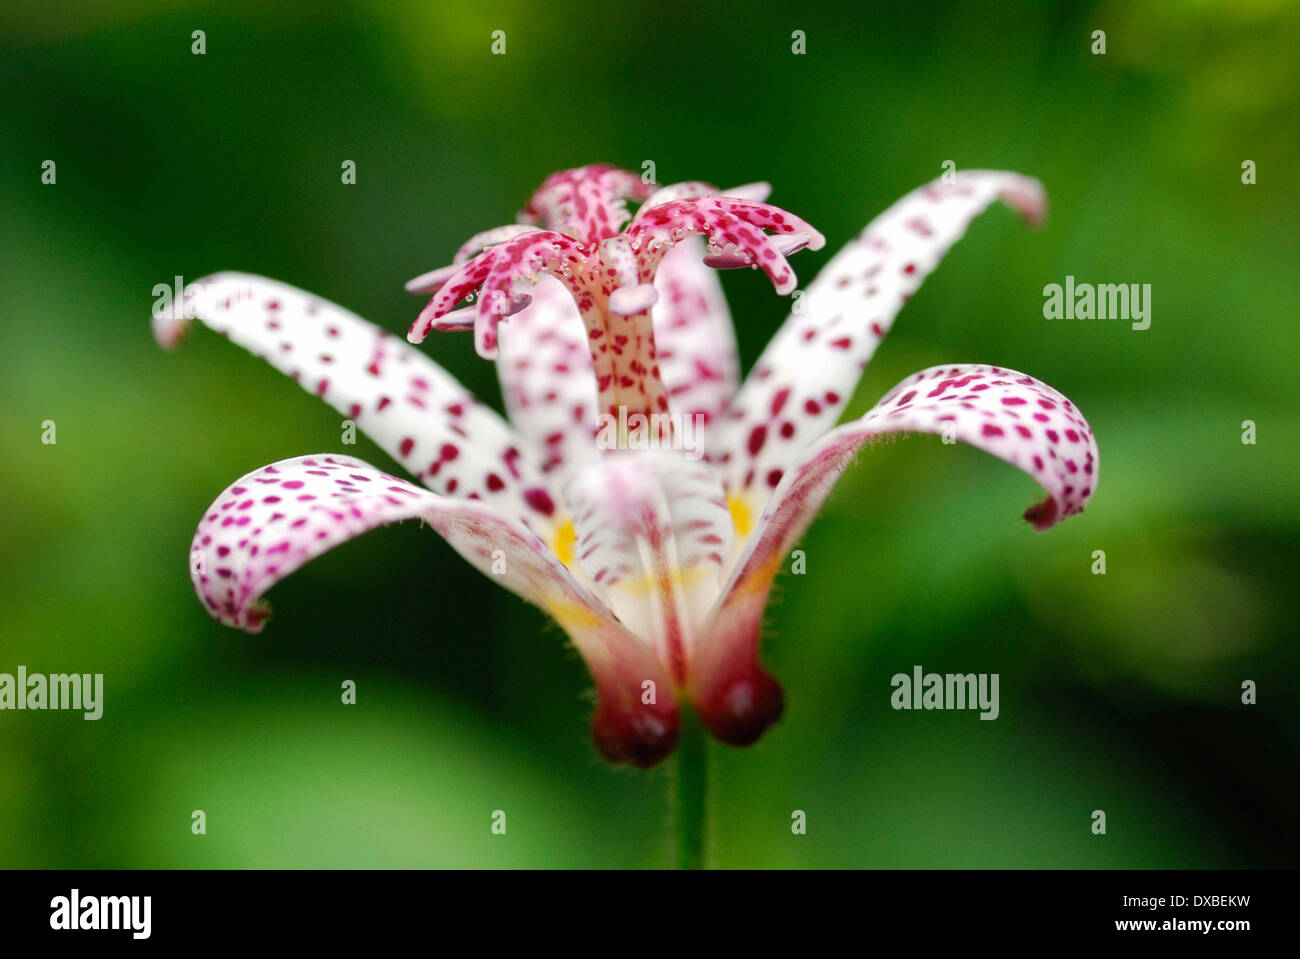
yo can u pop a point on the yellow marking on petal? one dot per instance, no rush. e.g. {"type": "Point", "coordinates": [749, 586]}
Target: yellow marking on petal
{"type": "Point", "coordinates": [562, 546]}
{"type": "Point", "coordinates": [677, 577]}
{"type": "Point", "coordinates": [741, 521]}
{"type": "Point", "coordinates": [574, 616]}
{"type": "Point", "coordinates": [760, 580]}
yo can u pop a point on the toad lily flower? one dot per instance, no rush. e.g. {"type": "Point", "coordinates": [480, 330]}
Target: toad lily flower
{"type": "Point", "coordinates": [657, 563]}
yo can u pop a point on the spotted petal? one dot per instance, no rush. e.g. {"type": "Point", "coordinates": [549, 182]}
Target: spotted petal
{"type": "Point", "coordinates": [809, 370]}
{"type": "Point", "coordinates": [274, 520]}
{"type": "Point", "coordinates": [694, 334]}
{"type": "Point", "coordinates": [405, 402]}
{"type": "Point", "coordinates": [1013, 416]}
{"type": "Point", "coordinates": [546, 377]}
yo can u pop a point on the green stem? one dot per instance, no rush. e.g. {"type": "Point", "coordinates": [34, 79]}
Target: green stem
{"type": "Point", "coordinates": [692, 783]}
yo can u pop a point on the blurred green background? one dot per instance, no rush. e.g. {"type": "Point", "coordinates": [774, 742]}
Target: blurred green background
{"type": "Point", "coordinates": [1119, 692]}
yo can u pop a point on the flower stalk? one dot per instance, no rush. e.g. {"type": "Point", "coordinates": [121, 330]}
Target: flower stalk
{"type": "Point", "coordinates": [691, 794]}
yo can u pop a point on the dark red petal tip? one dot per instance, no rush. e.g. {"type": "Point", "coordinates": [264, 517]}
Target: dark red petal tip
{"type": "Point", "coordinates": [1043, 515]}
{"type": "Point", "coordinates": [739, 710]}
{"type": "Point", "coordinates": [629, 731]}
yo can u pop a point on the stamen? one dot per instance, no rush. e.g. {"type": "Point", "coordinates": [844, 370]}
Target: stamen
{"type": "Point", "coordinates": [587, 203]}
{"type": "Point", "coordinates": [734, 258]}
{"type": "Point", "coordinates": [728, 223]}
{"type": "Point", "coordinates": [481, 241]}
{"type": "Point", "coordinates": [426, 284]}
{"type": "Point", "coordinates": [609, 274]}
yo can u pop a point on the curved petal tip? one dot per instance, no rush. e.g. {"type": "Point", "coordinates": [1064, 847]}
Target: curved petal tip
{"type": "Point", "coordinates": [1028, 198]}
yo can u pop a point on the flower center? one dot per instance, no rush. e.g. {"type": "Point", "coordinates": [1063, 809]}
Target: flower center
{"type": "Point", "coordinates": [578, 230]}
{"type": "Point", "coordinates": [651, 534]}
